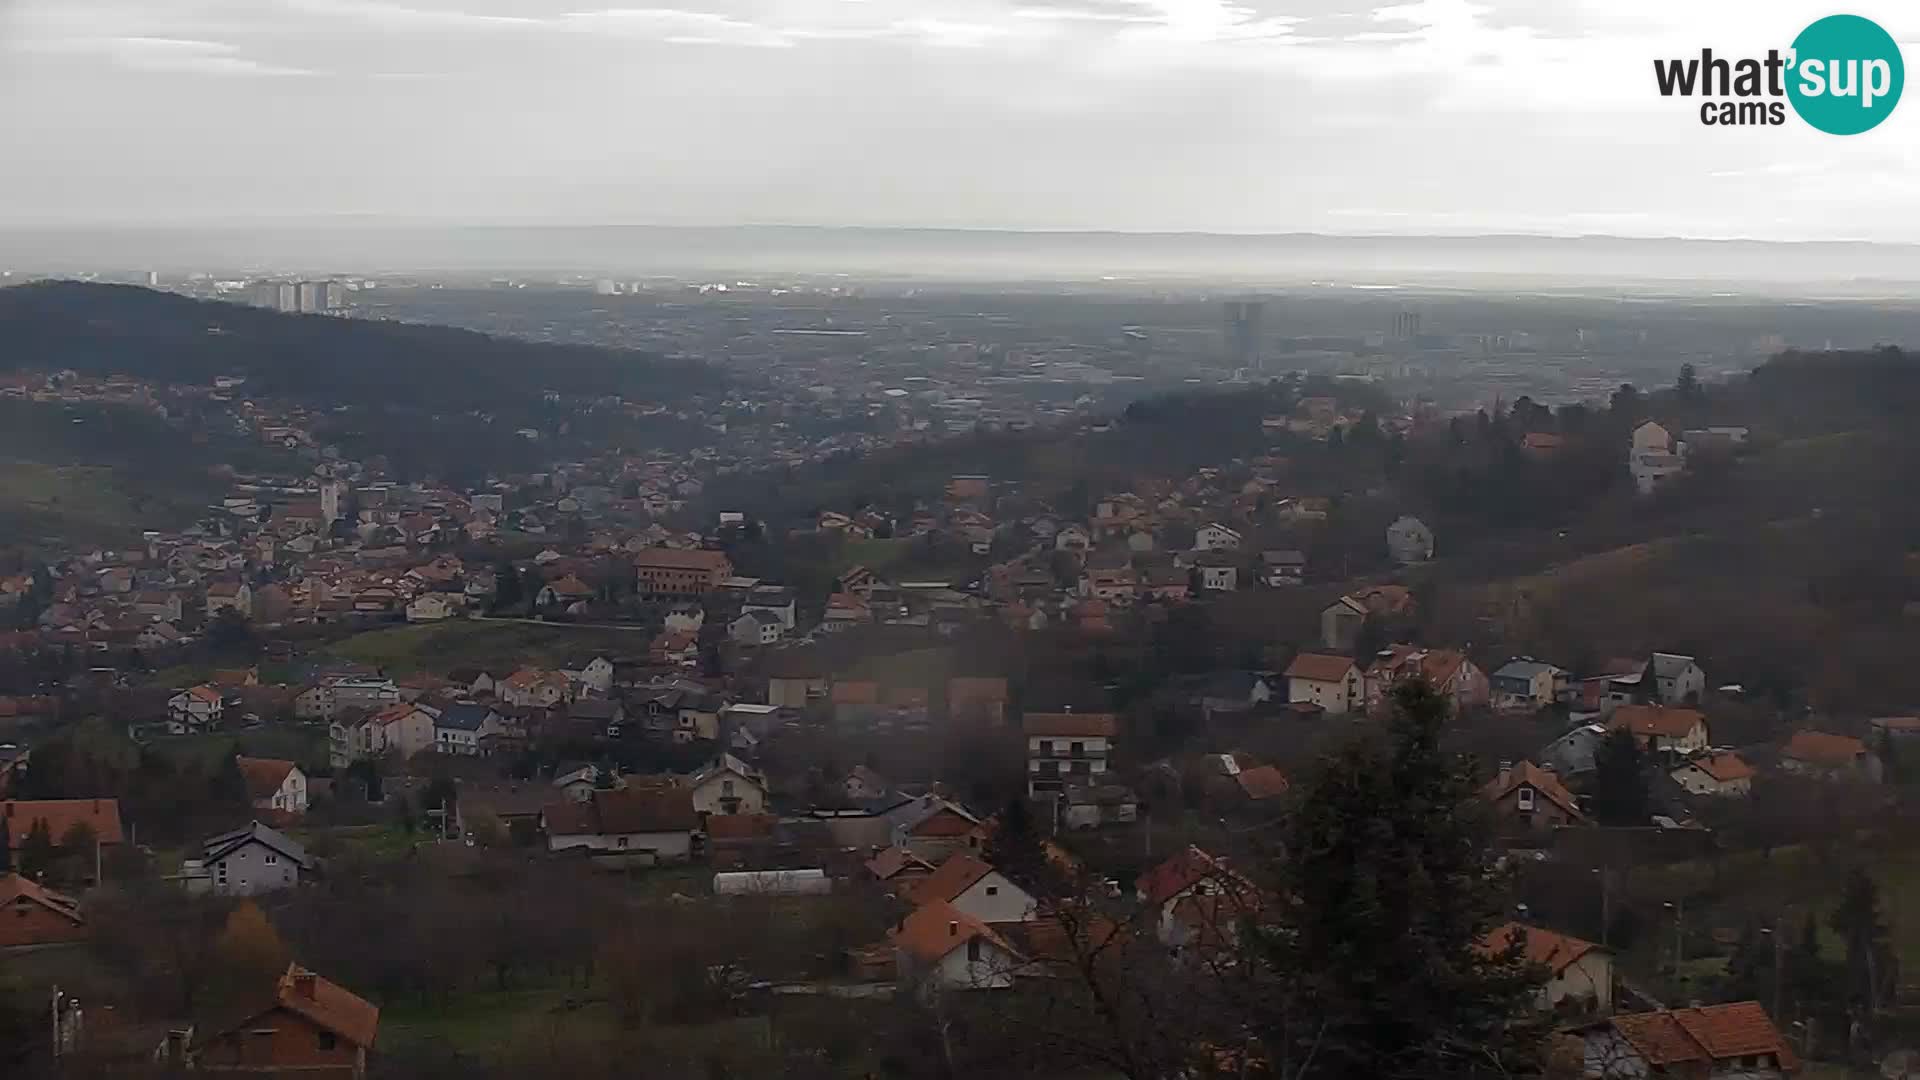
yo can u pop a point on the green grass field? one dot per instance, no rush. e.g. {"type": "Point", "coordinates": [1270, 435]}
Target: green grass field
{"type": "Point", "coordinates": [306, 745]}
{"type": "Point", "coordinates": [77, 501]}
{"type": "Point", "coordinates": [496, 646]}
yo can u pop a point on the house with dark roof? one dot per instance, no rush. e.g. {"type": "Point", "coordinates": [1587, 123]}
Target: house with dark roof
{"type": "Point", "coordinates": [931, 827]}
{"type": "Point", "coordinates": [659, 823]}
{"type": "Point", "coordinates": [308, 1026]}
{"type": "Point", "coordinates": [1736, 1039]}
{"type": "Point", "coordinates": [246, 861]}
{"type": "Point", "coordinates": [1526, 683]}
{"type": "Point", "coordinates": [460, 727]}
{"type": "Point", "coordinates": [1526, 794]}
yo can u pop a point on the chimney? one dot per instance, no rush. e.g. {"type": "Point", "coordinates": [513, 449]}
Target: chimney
{"type": "Point", "coordinates": [177, 1046]}
{"type": "Point", "coordinates": [953, 929]}
{"type": "Point", "coordinates": [303, 983]}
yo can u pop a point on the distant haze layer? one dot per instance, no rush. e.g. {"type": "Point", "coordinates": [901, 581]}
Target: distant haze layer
{"type": "Point", "coordinates": [972, 255]}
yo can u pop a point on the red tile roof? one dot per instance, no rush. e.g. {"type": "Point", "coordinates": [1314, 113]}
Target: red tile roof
{"type": "Point", "coordinates": [1071, 725]}
{"type": "Point", "coordinates": [1553, 951]}
{"type": "Point", "coordinates": [263, 775]}
{"type": "Point", "coordinates": [61, 815]}
{"type": "Point", "coordinates": [15, 889]}
{"type": "Point", "coordinates": [1726, 768]}
{"type": "Point", "coordinates": [895, 861]}
{"type": "Point", "coordinates": [682, 559]}
{"type": "Point", "coordinates": [1527, 774]}
{"type": "Point", "coordinates": [937, 928]}
{"type": "Point", "coordinates": [1651, 720]}
{"type": "Point", "coordinates": [1821, 748]}
{"type": "Point", "coordinates": [1707, 1035]}
{"type": "Point", "coordinates": [1320, 667]}
{"type": "Point", "coordinates": [326, 1004]}
{"type": "Point", "coordinates": [1177, 874]}
{"type": "Point", "coordinates": [958, 874]}
{"type": "Point", "coordinates": [1262, 782]}
{"type": "Point", "coordinates": [740, 826]}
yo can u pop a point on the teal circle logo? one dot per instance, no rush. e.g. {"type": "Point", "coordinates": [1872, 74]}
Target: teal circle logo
{"type": "Point", "coordinates": [1847, 75]}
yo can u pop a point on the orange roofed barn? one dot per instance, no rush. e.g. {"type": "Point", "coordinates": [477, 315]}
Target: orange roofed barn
{"type": "Point", "coordinates": [310, 1028]}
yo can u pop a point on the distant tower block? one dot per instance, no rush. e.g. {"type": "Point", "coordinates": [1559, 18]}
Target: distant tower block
{"type": "Point", "coordinates": [1406, 326]}
{"type": "Point", "coordinates": [1240, 328]}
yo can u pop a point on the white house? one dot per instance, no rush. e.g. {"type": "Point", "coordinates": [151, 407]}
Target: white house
{"type": "Point", "coordinates": [1655, 456]}
{"type": "Point", "coordinates": [1714, 774]}
{"type": "Point", "coordinates": [1332, 682]}
{"type": "Point", "coordinates": [1677, 679]}
{"type": "Point", "coordinates": [977, 890]}
{"type": "Point", "coordinates": [595, 674]}
{"type": "Point", "coordinates": [247, 861]}
{"type": "Point", "coordinates": [939, 948]}
{"type": "Point", "coordinates": [432, 607]}
{"type": "Point", "coordinates": [1220, 578]}
{"type": "Point", "coordinates": [274, 784]}
{"type": "Point", "coordinates": [460, 727]}
{"type": "Point", "coordinates": [728, 786]}
{"type": "Point", "coordinates": [195, 707]}
{"type": "Point", "coordinates": [1660, 729]}
{"type": "Point", "coordinates": [1214, 536]}
{"type": "Point", "coordinates": [1067, 747]}
{"type": "Point", "coordinates": [1578, 972]}
{"type": "Point", "coordinates": [532, 688]}
{"type": "Point", "coordinates": [756, 627]}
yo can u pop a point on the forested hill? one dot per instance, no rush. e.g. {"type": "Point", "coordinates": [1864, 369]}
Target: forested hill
{"type": "Point", "coordinates": [108, 329]}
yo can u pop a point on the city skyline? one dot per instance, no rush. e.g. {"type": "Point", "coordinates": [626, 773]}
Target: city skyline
{"type": "Point", "coordinates": [1433, 117]}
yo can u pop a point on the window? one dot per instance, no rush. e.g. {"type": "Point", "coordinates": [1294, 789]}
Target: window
{"type": "Point", "coordinates": [1526, 798]}
{"type": "Point", "coordinates": [621, 842]}
{"type": "Point", "coordinates": [973, 950]}
{"type": "Point", "coordinates": [993, 890]}
{"type": "Point", "coordinates": [1078, 748]}
{"type": "Point", "coordinates": [272, 859]}
{"type": "Point", "coordinates": [1046, 746]}
{"type": "Point", "coordinates": [328, 1040]}
{"type": "Point", "coordinates": [726, 788]}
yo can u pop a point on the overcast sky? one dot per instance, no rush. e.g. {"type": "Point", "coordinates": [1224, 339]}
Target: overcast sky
{"type": "Point", "coordinates": [1257, 116]}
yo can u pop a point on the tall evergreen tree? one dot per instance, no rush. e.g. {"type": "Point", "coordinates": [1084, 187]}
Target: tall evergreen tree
{"type": "Point", "coordinates": [1858, 921]}
{"type": "Point", "coordinates": [1377, 951]}
{"type": "Point", "coordinates": [1620, 795]}
{"type": "Point", "coordinates": [37, 853]}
